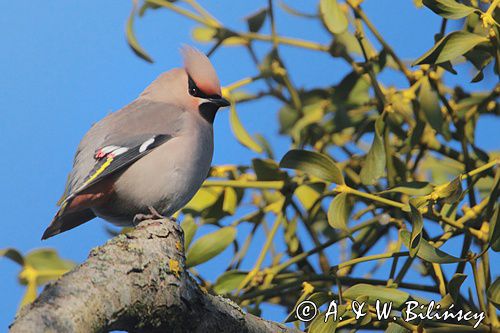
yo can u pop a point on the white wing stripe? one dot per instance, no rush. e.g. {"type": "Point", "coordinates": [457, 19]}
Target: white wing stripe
{"type": "Point", "coordinates": [146, 144]}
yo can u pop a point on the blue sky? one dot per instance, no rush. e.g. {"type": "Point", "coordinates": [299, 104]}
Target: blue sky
{"type": "Point", "coordinates": [65, 64]}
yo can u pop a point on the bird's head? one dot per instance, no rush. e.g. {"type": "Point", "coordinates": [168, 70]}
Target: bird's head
{"type": "Point", "coordinates": [203, 84]}
{"type": "Point", "coordinates": [195, 87]}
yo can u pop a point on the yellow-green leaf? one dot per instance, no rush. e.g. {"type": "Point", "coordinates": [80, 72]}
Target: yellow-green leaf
{"type": "Point", "coordinates": [209, 246]}
{"type": "Point", "coordinates": [375, 160]}
{"type": "Point", "coordinates": [450, 9]}
{"type": "Point", "coordinates": [313, 163]}
{"type": "Point", "coordinates": [428, 252]}
{"type": "Point", "coordinates": [318, 298]}
{"type": "Point", "coordinates": [267, 170]}
{"type": "Point", "coordinates": [132, 39]}
{"type": "Point", "coordinates": [494, 293]}
{"type": "Point", "coordinates": [230, 200]}
{"type": "Point", "coordinates": [411, 188]}
{"type": "Point", "coordinates": [449, 47]}
{"type": "Point", "coordinates": [318, 325]}
{"type": "Point", "coordinates": [229, 281]}
{"type": "Point", "coordinates": [333, 17]}
{"type": "Point", "coordinates": [494, 234]}
{"type": "Point", "coordinates": [416, 230]}
{"type": "Point", "coordinates": [454, 285]}
{"type": "Point", "coordinates": [240, 132]}
{"type": "Point", "coordinates": [395, 328]}
{"type": "Point", "coordinates": [47, 265]}
{"type": "Point", "coordinates": [448, 192]}
{"type": "Point", "coordinates": [309, 193]}
{"type": "Point", "coordinates": [429, 103]}
{"type": "Point", "coordinates": [374, 293]}
{"type": "Point", "coordinates": [204, 198]}
{"type": "Point", "coordinates": [338, 212]}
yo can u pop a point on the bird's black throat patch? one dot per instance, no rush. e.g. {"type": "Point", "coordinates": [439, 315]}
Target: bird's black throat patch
{"type": "Point", "coordinates": [208, 110]}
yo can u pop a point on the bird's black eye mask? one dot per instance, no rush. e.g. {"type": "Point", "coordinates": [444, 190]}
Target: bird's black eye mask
{"type": "Point", "coordinates": [196, 92]}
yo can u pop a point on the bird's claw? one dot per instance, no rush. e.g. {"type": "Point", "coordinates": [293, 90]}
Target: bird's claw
{"type": "Point", "coordinates": [154, 215]}
{"type": "Point", "coordinates": [138, 218]}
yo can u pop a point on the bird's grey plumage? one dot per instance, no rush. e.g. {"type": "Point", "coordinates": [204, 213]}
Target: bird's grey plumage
{"type": "Point", "coordinates": [187, 157]}
{"type": "Point", "coordinates": [152, 155]}
{"type": "Point", "coordinates": [140, 119]}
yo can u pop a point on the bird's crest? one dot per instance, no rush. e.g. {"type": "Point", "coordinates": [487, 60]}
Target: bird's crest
{"type": "Point", "coordinates": [200, 69]}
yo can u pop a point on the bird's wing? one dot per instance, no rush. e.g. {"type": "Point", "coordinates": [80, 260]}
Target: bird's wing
{"type": "Point", "coordinates": [128, 128]}
{"type": "Point", "coordinates": [113, 158]}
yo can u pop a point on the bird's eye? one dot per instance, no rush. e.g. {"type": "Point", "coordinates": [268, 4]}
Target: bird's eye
{"type": "Point", "coordinates": [193, 89]}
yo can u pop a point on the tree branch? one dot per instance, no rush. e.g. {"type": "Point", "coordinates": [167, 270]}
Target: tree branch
{"type": "Point", "coordinates": [136, 282]}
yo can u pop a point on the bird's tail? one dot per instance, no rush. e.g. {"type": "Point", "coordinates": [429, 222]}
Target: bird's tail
{"type": "Point", "coordinates": [65, 221]}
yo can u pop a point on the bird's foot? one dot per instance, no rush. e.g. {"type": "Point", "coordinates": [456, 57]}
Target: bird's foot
{"type": "Point", "coordinates": [138, 218]}
{"type": "Point", "coordinates": [155, 213]}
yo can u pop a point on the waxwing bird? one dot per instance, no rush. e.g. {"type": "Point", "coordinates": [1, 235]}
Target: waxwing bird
{"type": "Point", "coordinates": [149, 158]}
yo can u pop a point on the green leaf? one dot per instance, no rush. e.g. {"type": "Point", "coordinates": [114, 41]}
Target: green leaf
{"type": "Point", "coordinates": [395, 328]}
{"type": "Point", "coordinates": [494, 234]}
{"type": "Point", "coordinates": [429, 103]}
{"type": "Point", "coordinates": [189, 227]}
{"type": "Point", "coordinates": [132, 39]}
{"type": "Point", "coordinates": [448, 192]}
{"type": "Point", "coordinates": [240, 133]}
{"type": "Point", "coordinates": [209, 246]}
{"type": "Point", "coordinates": [348, 42]}
{"type": "Point", "coordinates": [454, 285]}
{"type": "Point", "coordinates": [428, 252]}
{"type": "Point", "coordinates": [416, 230]}
{"type": "Point", "coordinates": [313, 163]}
{"type": "Point", "coordinates": [353, 89]}
{"type": "Point", "coordinates": [267, 170]}
{"type": "Point", "coordinates": [338, 212]}
{"type": "Point", "coordinates": [333, 17]}
{"type": "Point", "coordinates": [411, 188]}
{"type": "Point", "coordinates": [13, 255]}
{"type": "Point", "coordinates": [318, 298]}
{"type": "Point", "coordinates": [375, 160]}
{"type": "Point", "coordinates": [449, 47]}
{"type": "Point", "coordinates": [374, 293]}
{"type": "Point", "coordinates": [256, 20]}
{"type": "Point", "coordinates": [312, 115]}
{"type": "Point", "coordinates": [266, 146]}
{"type": "Point", "coordinates": [318, 325]}
{"type": "Point", "coordinates": [229, 281]}
{"type": "Point", "coordinates": [449, 9]}
{"type": "Point", "coordinates": [494, 293]}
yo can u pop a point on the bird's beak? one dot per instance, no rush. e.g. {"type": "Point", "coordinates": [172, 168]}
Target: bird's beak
{"type": "Point", "coordinates": [220, 102]}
